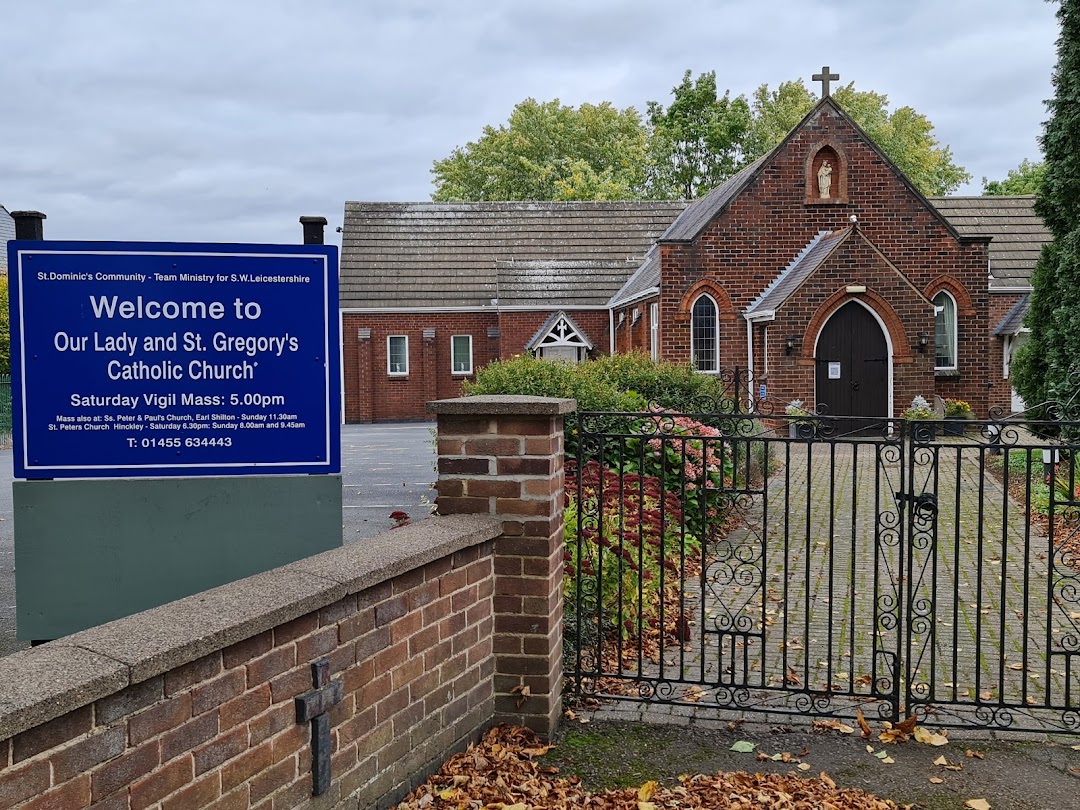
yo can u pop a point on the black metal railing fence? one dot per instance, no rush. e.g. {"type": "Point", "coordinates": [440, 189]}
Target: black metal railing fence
{"type": "Point", "coordinates": [761, 561]}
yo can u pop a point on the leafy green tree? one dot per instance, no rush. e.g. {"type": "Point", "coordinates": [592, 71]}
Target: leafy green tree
{"type": "Point", "coordinates": [903, 134]}
{"type": "Point", "coordinates": [697, 141]}
{"type": "Point", "coordinates": [774, 113]}
{"type": "Point", "coordinates": [1041, 368]}
{"type": "Point", "coordinates": [549, 151]}
{"type": "Point", "coordinates": [1027, 178]}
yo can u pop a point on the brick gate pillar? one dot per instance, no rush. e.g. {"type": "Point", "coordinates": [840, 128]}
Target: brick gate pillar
{"type": "Point", "coordinates": [503, 455]}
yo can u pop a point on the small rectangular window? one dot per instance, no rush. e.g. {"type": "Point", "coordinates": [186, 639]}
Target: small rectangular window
{"type": "Point", "coordinates": [397, 354]}
{"type": "Point", "coordinates": [461, 354]}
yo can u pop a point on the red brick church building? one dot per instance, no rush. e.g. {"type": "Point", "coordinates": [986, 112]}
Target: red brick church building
{"type": "Point", "coordinates": [819, 267]}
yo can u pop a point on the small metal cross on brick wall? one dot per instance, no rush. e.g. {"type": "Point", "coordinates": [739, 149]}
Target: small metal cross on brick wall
{"type": "Point", "coordinates": [313, 707]}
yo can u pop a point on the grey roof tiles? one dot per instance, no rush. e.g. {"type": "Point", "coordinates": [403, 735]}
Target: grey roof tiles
{"type": "Point", "coordinates": [549, 254]}
{"type": "Point", "coordinates": [701, 212]}
{"type": "Point", "coordinates": [397, 255]}
{"type": "Point", "coordinates": [804, 265]}
{"type": "Point", "coordinates": [1013, 322]}
{"type": "Point", "coordinates": [1018, 233]}
{"type": "Point", "coordinates": [644, 281]}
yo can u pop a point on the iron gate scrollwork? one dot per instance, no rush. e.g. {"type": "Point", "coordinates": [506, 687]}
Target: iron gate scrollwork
{"type": "Point", "coordinates": [725, 558]}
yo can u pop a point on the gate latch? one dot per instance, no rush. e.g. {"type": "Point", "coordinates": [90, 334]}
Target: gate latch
{"type": "Point", "coordinates": [923, 502]}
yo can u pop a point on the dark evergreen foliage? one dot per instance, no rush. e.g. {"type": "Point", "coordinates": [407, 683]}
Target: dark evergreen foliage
{"type": "Point", "coordinates": [1041, 368]}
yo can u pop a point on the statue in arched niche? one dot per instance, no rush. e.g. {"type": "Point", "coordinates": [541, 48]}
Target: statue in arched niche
{"type": "Point", "coordinates": [824, 180]}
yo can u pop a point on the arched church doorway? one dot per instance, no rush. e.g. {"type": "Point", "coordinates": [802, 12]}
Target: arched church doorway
{"type": "Point", "coordinates": [852, 367]}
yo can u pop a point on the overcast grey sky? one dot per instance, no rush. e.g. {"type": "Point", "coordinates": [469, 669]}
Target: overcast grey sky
{"type": "Point", "coordinates": [226, 120]}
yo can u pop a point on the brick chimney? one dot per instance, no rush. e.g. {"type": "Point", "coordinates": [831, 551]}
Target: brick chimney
{"type": "Point", "coordinates": [28, 224]}
{"type": "Point", "coordinates": [313, 229]}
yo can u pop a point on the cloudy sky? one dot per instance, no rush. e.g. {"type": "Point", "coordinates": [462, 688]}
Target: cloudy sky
{"type": "Point", "coordinates": [225, 120]}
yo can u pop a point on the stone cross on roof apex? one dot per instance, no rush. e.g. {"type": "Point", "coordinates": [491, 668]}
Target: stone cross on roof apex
{"type": "Point", "coordinates": [825, 77]}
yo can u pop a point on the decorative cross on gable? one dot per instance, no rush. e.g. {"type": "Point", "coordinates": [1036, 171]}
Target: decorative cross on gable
{"type": "Point", "coordinates": [313, 707]}
{"type": "Point", "coordinates": [825, 77]}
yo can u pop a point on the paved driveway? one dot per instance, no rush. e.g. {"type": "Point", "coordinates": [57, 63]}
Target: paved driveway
{"type": "Point", "coordinates": [385, 468]}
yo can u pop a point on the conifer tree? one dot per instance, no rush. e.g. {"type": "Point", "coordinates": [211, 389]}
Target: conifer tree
{"type": "Point", "coordinates": [1041, 368]}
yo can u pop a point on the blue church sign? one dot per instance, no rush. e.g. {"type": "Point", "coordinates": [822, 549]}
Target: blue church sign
{"type": "Point", "coordinates": [158, 359]}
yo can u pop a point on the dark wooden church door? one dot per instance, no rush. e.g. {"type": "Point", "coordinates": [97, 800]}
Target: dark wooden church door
{"type": "Point", "coordinates": [853, 368]}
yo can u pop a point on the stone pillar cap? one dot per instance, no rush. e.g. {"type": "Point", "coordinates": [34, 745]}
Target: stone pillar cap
{"type": "Point", "coordinates": [502, 405]}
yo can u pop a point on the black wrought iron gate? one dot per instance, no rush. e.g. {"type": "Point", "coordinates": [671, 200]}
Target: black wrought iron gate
{"type": "Point", "coordinates": [781, 563]}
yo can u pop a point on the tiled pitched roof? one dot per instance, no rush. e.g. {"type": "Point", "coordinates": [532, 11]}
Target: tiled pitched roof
{"type": "Point", "coordinates": [1013, 321]}
{"type": "Point", "coordinates": [7, 231]}
{"type": "Point", "coordinates": [546, 282]}
{"type": "Point", "coordinates": [701, 212]}
{"type": "Point", "coordinates": [1018, 233]}
{"type": "Point", "coordinates": [804, 265]}
{"type": "Point", "coordinates": [397, 255]}
{"type": "Point", "coordinates": [646, 280]}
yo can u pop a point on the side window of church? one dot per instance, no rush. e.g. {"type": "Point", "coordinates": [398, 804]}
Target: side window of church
{"type": "Point", "coordinates": [654, 331]}
{"type": "Point", "coordinates": [461, 354]}
{"type": "Point", "coordinates": [703, 335]}
{"type": "Point", "coordinates": [397, 354]}
{"type": "Point", "coordinates": [944, 332]}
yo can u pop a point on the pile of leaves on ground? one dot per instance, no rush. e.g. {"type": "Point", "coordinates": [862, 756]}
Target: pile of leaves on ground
{"type": "Point", "coordinates": [502, 773]}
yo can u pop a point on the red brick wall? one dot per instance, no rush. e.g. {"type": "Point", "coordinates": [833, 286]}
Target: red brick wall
{"type": "Point", "coordinates": [414, 654]}
{"type": "Point", "coordinates": [630, 336]}
{"type": "Point", "coordinates": [518, 328]}
{"type": "Point", "coordinates": [903, 309]}
{"type": "Point", "coordinates": [394, 397]}
{"type": "Point", "coordinates": [432, 630]}
{"type": "Point", "coordinates": [767, 226]}
{"type": "Point", "coordinates": [371, 394]}
{"type": "Point", "coordinates": [508, 462]}
{"type": "Point", "coordinates": [1000, 388]}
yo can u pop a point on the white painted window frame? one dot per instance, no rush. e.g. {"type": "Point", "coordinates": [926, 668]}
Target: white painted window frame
{"type": "Point", "coordinates": [654, 331]}
{"type": "Point", "coordinates": [389, 367]}
{"type": "Point", "coordinates": [453, 360]}
{"type": "Point", "coordinates": [955, 332]}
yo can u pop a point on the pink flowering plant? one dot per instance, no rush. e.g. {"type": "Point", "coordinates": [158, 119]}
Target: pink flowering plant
{"type": "Point", "coordinates": [623, 532]}
{"type": "Point", "coordinates": [692, 461]}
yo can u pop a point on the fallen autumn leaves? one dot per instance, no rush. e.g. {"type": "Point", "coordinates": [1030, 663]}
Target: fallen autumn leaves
{"type": "Point", "coordinates": [501, 773]}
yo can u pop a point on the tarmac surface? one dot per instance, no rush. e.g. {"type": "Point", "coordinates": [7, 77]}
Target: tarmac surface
{"type": "Point", "coordinates": [385, 468]}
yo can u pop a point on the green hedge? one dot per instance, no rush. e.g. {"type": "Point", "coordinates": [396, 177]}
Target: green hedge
{"type": "Point", "coordinates": [623, 382]}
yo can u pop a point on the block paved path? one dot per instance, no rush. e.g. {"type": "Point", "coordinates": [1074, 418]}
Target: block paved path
{"type": "Point", "coordinates": [786, 615]}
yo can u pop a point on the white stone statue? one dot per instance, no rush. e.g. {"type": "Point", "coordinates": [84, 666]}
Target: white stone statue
{"type": "Point", "coordinates": [824, 180]}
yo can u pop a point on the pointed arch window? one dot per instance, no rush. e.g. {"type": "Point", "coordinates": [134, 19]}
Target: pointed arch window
{"type": "Point", "coordinates": [944, 332]}
{"type": "Point", "coordinates": [705, 335]}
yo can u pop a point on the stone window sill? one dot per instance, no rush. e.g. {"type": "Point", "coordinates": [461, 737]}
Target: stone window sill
{"type": "Point", "coordinates": [947, 373]}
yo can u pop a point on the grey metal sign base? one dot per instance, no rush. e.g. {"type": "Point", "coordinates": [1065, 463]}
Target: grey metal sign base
{"type": "Point", "coordinates": [90, 551]}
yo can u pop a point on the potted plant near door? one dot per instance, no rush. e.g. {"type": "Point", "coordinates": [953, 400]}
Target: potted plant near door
{"type": "Point", "coordinates": [957, 412]}
{"type": "Point", "coordinates": [921, 415]}
{"type": "Point", "coordinates": [800, 426]}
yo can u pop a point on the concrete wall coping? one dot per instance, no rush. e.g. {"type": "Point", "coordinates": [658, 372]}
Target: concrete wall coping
{"type": "Point", "coordinates": [45, 682]}
{"type": "Point", "coordinates": [502, 405]}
